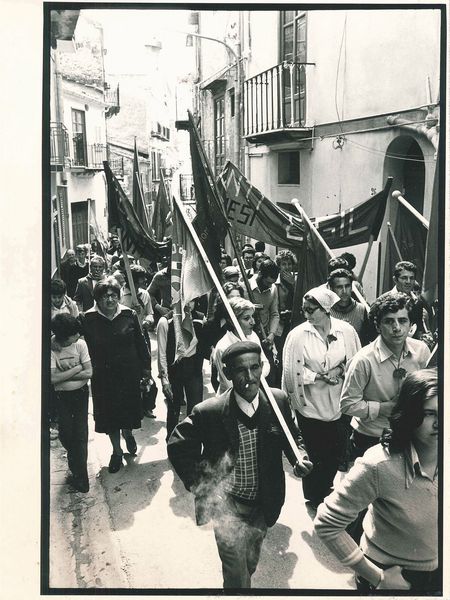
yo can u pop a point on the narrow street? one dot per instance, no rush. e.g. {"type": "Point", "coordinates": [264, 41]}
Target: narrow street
{"type": "Point", "coordinates": [136, 529]}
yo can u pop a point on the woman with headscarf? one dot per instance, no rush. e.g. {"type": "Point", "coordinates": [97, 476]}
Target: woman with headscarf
{"type": "Point", "coordinates": [314, 360]}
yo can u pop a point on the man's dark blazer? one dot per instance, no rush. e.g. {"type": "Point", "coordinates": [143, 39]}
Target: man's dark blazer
{"type": "Point", "coordinates": [84, 294]}
{"type": "Point", "coordinates": [203, 450]}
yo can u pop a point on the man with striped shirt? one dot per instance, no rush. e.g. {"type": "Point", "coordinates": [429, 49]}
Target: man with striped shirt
{"type": "Point", "coordinates": [228, 452]}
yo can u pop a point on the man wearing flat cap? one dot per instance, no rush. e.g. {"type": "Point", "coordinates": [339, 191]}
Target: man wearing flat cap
{"type": "Point", "coordinates": [228, 452]}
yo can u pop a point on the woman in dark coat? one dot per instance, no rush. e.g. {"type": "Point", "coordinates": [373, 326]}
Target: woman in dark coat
{"type": "Point", "coordinates": [120, 358]}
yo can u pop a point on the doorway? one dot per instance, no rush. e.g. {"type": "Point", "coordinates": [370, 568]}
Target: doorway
{"type": "Point", "coordinates": [79, 222]}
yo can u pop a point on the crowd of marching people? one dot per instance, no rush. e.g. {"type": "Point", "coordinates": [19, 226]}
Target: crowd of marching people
{"type": "Point", "coordinates": [352, 386]}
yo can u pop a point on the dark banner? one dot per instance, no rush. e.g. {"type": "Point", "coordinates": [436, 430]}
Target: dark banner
{"type": "Point", "coordinates": [121, 214]}
{"type": "Point", "coordinates": [311, 272]}
{"type": "Point", "coordinates": [431, 269]}
{"type": "Point", "coordinates": [161, 212]}
{"type": "Point", "coordinates": [410, 238]}
{"type": "Point", "coordinates": [251, 213]}
{"type": "Point", "coordinates": [138, 200]}
{"type": "Point", "coordinates": [210, 222]}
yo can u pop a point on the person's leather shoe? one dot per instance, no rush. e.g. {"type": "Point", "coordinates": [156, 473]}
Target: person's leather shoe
{"type": "Point", "coordinates": [131, 445]}
{"type": "Point", "coordinates": [149, 413]}
{"type": "Point", "coordinates": [115, 463]}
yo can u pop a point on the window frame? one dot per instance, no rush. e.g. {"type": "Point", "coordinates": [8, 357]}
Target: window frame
{"type": "Point", "coordinates": [298, 14]}
{"type": "Point", "coordinates": [219, 157]}
{"type": "Point", "coordinates": [80, 161]}
{"type": "Point", "coordinates": [288, 183]}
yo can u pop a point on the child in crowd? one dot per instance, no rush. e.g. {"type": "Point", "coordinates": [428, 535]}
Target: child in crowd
{"type": "Point", "coordinates": [70, 371]}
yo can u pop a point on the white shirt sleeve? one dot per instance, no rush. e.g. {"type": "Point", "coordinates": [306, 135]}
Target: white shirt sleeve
{"type": "Point", "coordinates": [161, 339]}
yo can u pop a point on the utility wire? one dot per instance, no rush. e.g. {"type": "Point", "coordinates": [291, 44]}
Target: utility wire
{"type": "Point", "coordinates": [337, 73]}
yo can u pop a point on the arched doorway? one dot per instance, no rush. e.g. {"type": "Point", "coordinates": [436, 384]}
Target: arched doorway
{"type": "Point", "coordinates": [405, 163]}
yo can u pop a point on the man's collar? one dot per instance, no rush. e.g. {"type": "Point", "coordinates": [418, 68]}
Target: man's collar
{"type": "Point", "coordinates": [396, 291]}
{"type": "Point", "coordinates": [253, 283]}
{"type": "Point", "coordinates": [385, 353]}
{"type": "Point", "coordinates": [248, 408]}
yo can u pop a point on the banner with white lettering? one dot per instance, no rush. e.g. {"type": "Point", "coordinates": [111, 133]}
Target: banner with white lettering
{"type": "Point", "coordinates": [251, 213]}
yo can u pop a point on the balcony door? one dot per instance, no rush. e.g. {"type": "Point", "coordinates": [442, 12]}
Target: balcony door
{"type": "Point", "coordinates": [219, 133]}
{"type": "Point", "coordinates": [79, 137]}
{"type": "Point", "coordinates": [79, 222]}
{"type": "Point", "coordinates": [293, 51]}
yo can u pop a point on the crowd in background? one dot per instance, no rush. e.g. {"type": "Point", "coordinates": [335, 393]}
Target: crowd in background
{"type": "Point", "coordinates": [349, 374]}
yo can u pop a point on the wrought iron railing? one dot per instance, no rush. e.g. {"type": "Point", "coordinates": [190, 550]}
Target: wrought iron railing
{"type": "Point", "coordinates": [112, 100]}
{"type": "Point", "coordinates": [117, 166]}
{"type": "Point", "coordinates": [187, 188]}
{"type": "Point", "coordinates": [59, 143]}
{"type": "Point", "coordinates": [275, 99]}
{"type": "Point", "coordinates": [89, 156]}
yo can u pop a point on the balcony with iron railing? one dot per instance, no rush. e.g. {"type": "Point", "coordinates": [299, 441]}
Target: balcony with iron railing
{"type": "Point", "coordinates": [112, 101]}
{"type": "Point", "coordinates": [275, 104]}
{"type": "Point", "coordinates": [59, 145]}
{"type": "Point", "coordinates": [117, 166]}
{"type": "Point", "coordinates": [87, 156]}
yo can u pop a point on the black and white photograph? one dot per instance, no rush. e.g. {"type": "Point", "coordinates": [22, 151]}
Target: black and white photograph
{"type": "Point", "coordinates": [236, 363]}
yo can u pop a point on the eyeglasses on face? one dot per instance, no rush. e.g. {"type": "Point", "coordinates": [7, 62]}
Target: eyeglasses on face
{"type": "Point", "coordinates": [309, 309]}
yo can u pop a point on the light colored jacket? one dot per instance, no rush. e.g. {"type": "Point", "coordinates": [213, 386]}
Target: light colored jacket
{"type": "Point", "coordinates": [292, 381]}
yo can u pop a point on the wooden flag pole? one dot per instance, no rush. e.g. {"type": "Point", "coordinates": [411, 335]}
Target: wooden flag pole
{"type": "Point", "coordinates": [137, 177]}
{"type": "Point", "coordinates": [433, 352]}
{"type": "Point", "coordinates": [126, 262]}
{"type": "Point", "coordinates": [366, 258]}
{"type": "Point", "coordinates": [238, 328]}
{"type": "Point", "coordinates": [89, 230]}
{"type": "Point", "coordinates": [397, 195]}
{"type": "Point", "coordinates": [327, 248]}
{"type": "Point", "coordinates": [394, 240]}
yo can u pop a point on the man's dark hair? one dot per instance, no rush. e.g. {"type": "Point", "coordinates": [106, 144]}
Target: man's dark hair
{"type": "Point", "coordinates": [102, 287]}
{"type": "Point", "coordinates": [64, 326]}
{"type": "Point", "coordinates": [268, 269]}
{"type": "Point", "coordinates": [389, 302]}
{"type": "Point", "coordinates": [408, 412]}
{"type": "Point", "coordinates": [57, 287]}
{"type": "Point", "coordinates": [285, 255]}
{"type": "Point", "coordinates": [137, 271]}
{"type": "Point", "coordinates": [81, 248]}
{"type": "Point", "coordinates": [350, 258]}
{"type": "Point", "coordinates": [227, 258]}
{"type": "Point", "coordinates": [247, 250]}
{"type": "Point", "coordinates": [404, 265]}
{"type": "Point", "coordinates": [337, 263]}
{"type": "Point", "coordinates": [98, 258]}
{"type": "Point", "coordinates": [256, 257]}
{"type": "Point", "coordinates": [339, 273]}
{"type": "Point", "coordinates": [260, 247]}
